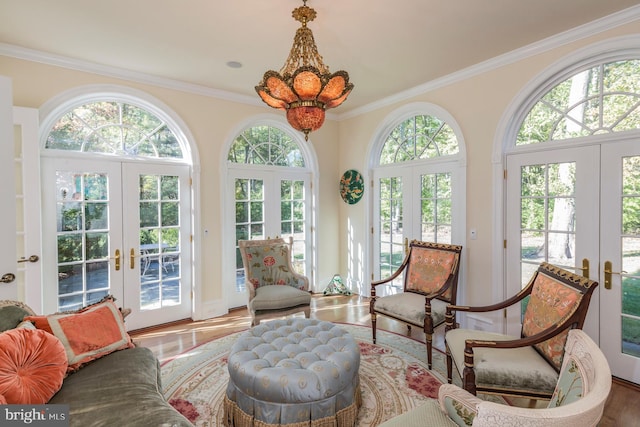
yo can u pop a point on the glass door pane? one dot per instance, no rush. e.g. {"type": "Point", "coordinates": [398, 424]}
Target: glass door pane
{"type": "Point", "coordinates": [293, 220]}
{"type": "Point", "coordinates": [159, 207]}
{"type": "Point", "coordinates": [391, 227]}
{"type": "Point", "coordinates": [435, 207]}
{"type": "Point", "coordinates": [249, 222]}
{"type": "Point", "coordinates": [83, 240]}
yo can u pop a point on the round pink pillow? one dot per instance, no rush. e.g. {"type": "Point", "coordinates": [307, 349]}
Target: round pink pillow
{"type": "Point", "coordinates": [33, 364]}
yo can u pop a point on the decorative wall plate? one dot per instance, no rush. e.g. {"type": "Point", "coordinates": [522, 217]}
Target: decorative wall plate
{"type": "Point", "coordinates": [351, 186]}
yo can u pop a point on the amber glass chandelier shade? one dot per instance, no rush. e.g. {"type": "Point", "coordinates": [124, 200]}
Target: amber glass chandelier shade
{"type": "Point", "coordinates": [304, 87]}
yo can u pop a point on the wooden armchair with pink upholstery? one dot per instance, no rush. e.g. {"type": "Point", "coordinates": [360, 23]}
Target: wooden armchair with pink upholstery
{"type": "Point", "coordinates": [527, 365]}
{"type": "Point", "coordinates": [430, 283]}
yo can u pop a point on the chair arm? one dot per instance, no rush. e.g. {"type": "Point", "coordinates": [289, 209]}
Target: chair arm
{"type": "Point", "coordinates": [459, 405]}
{"type": "Point", "coordinates": [486, 308]}
{"type": "Point", "coordinates": [520, 342]}
{"type": "Point", "coordinates": [302, 279]}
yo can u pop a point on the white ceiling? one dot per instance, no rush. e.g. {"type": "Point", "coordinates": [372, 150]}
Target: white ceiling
{"type": "Point", "coordinates": [386, 46]}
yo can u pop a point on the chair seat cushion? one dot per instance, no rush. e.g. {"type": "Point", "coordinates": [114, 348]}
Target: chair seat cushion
{"type": "Point", "coordinates": [427, 414]}
{"type": "Point", "coordinates": [512, 368]}
{"type": "Point", "coordinates": [276, 297]}
{"type": "Point", "coordinates": [409, 307]}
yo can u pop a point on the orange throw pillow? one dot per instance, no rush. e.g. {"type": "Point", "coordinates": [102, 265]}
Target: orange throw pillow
{"type": "Point", "coordinates": [88, 334]}
{"type": "Point", "coordinates": [33, 364]}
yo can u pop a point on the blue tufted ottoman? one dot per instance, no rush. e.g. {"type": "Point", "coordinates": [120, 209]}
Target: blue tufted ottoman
{"type": "Point", "coordinates": [293, 372]}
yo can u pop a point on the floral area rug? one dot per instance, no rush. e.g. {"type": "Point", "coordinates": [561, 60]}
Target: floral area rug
{"type": "Point", "coordinates": [393, 377]}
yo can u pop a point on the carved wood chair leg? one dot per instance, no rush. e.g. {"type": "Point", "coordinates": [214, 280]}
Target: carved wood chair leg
{"type": "Point", "coordinates": [429, 341]}
{"type": "Point", "coordinates": [469, 380]}
{"type": "Point", "coordinates": [449, 367]}
{"type": "Point", "coordinates": [373, 327]}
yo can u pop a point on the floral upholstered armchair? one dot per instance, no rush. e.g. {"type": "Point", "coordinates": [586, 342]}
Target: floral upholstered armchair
{"type": "Point", "coordinates": [578, 398]}
{"type": "Point", "coordinates": [274, 288]}
{"type": "Point", "coordinates": [430, 283]}
{"type": "Point", "coordinates": [527, 365]}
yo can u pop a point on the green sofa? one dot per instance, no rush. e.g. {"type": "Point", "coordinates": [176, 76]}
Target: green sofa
{"type": "Point", "coordinates": [120, 389]}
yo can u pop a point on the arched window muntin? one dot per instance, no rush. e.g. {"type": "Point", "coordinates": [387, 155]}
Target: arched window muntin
{"type": "Point", "coordinates": [396, 127]}
{"type": "Point", "coordinates": [590, 102]}
{"type": "Point", "coordinates": [266, 145]}
{"type": "Point", "coordinates": [615, 50]}
{"type": "Point", "coordinates": [59, 107]}
{"type": "Point", "coordinates": [417, 138]}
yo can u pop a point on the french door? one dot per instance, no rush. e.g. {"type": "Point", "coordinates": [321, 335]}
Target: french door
{"type": "Point", "coordinates": [414, 202]}
{"type": "Point", "coordinates": [579, 208]}
{"type": "Point", "coordinates": [121, 229]}
{"type": "Point", "coordinates": [267, 204]}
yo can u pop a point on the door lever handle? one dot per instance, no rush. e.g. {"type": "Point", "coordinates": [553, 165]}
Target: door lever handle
{"type": "Point", "coordinates": [7, 278]}
{"type": "Point", "coordinates": [117, 258]}
{"type": "Point", "coordinates": [608, 272]}
{"type": "Point", "coordinates": [584, 268]}
{"type": "Point", "coordinates": [32, 258]}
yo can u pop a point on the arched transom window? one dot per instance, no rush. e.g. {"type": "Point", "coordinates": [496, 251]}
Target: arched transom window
{"type": "Point", "coordinates": [601, 99]}
{"type": "Point", "coordinates": [265, 145]}
{"type": "Point", "coordinates": [420, 137]}
{"type": "Point", "coordinates": [112, 127]}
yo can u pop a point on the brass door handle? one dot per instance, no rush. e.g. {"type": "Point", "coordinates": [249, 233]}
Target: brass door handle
{"type": "Point", "coordinates": [117, 258]}
{"type": "Point", "coordinates": [132, 258]}
{"type": "Point", "coordinates": [584, 268]}
{"type": "Point", "coordinates": [608, 272]}
{"type": "Point", "coordinates": [7, 278]}
{"type": "Point", "coordinates": [32, 258]}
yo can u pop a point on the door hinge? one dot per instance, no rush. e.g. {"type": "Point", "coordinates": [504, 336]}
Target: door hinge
{"type": "Point", "coordinates": [372, 230]}
{"type": "Point", "coordinates": [504, 243]}
{"type": "Point", "coordinates": [504, 174]}
{"type": "Point", "coordinates": [191, 238]}
{"type": "Point", "coordinates": [504, 313]}
{"type": "Point", "coordinates": [190, 182]}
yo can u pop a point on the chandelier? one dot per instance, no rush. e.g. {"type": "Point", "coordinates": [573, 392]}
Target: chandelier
{"type": "Point", "coordinates": [304, 87]}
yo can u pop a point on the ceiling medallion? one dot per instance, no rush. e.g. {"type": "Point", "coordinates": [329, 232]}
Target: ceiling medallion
{"type": "Point", "coordinates": [304, 87]}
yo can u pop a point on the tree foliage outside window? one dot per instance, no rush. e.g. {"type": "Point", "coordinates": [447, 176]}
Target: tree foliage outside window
{"type": "Point", "coordinates": [602, 99]}
{"type": "Point", "coordinates": [265, 145]}
{"type": "Point", "coordinates": [420, 137]}
{"type": "Point", "coordinates": [117, 128]}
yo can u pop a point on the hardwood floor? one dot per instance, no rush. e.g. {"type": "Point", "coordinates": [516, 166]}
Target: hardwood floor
{"type": "Point", "coordinates": [166, 341]}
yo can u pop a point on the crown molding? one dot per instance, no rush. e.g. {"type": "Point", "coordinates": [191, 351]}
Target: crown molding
{"type": "Point", "coordinates": [603, 24]}
{"type": "Point", "coordinates": [595, 27]}
{"type": "Point", "coordinates": [121, 73]}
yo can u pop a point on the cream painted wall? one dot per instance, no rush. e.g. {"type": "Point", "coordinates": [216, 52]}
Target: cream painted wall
{"type": "Point", "coordinates": [210, 121]}
{"type": "Point", "coordinates": [477, 104]}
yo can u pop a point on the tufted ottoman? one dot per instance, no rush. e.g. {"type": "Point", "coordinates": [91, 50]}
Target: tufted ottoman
{"type": "Point", "coordinates": [293, 372]}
